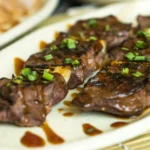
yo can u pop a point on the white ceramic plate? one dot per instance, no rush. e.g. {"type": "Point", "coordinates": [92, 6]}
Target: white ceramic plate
{"type": "Point", "coordinates": [70, 128]}
{"type": "Point", "coordinates": [29, 23]}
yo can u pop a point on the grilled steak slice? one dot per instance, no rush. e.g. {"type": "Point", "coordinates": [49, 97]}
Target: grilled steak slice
{"type": "Point", "coordinates": [117, 92]}
{"type": "Point", "coordinates": [143, 21]}
{"type": "Point", "coordinates": [138, 46]}
{"type": "Point", "coordinates": [82, 57]}
{"type": "Point", "coordinates": [109, 29]}
{"type": "Point", "coordinates": [26, 103]}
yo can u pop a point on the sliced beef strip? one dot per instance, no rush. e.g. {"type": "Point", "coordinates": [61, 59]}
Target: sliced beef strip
{"type": "Point", "coordinates": [111, 92]}
{"type": "Point", "coordinates": [143, 21]}
{"type": "Point", "coordinates": [28, 103]}
{"type": "Point", "coordinates": [109, 29]}
{"type": "Point", "coordinates": [90, 54]}
{"type": "Point", "coordinates": [130, 44]}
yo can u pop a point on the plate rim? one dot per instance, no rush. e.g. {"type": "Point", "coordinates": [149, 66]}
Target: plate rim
{"type": "Point", "coordinates": [29, 23]}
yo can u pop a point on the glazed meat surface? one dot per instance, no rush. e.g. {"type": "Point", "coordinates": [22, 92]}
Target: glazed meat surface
{"type": "Point", "coordinates": [83, 57]}
{"type": "Point", "coordinates": [108, 28]}
{"type": "Point", "coordinates": [116, 93]}
{"type": "Point", "coordinates": [26, 103]}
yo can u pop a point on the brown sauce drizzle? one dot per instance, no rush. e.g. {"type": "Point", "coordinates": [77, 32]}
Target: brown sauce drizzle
{"type": "Point", "coordinates": [18, 65]}
{"type": "Point", "coordinates": [67, 103]}
{"type": "Point", "coordinates": [79, 89]}
{"type": "Point", "coordinates": [73, 95]}
{"type": "Point", "coordinates": [68, 114]}
{"type": "Point", "coordinates": [91, 130]}
{"type": "Point", "coordinates": [69, 26]}
{"type": "Point", "coordinates": [56, 34]}
{"type": "Point", "coordinates": [60, 109]}
{"type": "Point", "coordinates": [42, 45]}
{"type": "Point", "coordinates": [32, 140]}
{"type": "Point", "coordinates": [118, 124]}
{"type": "Point", "coordinates": [52, 137]}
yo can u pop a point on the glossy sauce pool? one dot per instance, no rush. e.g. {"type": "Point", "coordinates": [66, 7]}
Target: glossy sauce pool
{"type": "Point", "coordinates": [52, 137]}
{"type": "Point", "coordinates": [32, 140]}
{"type": "Point", "coordinates": [18, 65]}
{"type": "Point", "coordinates": [42, 45]}
{"type": "Point", "coordinates": [90, 130]}
{"type": "Point", "coordinates": [67, 103]}
{"type": "Point", "coordinates": [118, 124]}
{"type": "Point", "coordinates": [68, 114]}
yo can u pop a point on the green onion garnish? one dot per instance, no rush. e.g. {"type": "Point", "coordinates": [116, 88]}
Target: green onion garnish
{"type": "Point", "coordinates": [136, 54]}
{"type": "Point", "coordinates": [93, 38]}
{"type": "Point", "coordinates": [140, 58]}
{"type": "Point", "coordinates": [48, 57]}
{"type": "Point", "coordinates": [17, 81]}
{"type": "Point", "coordinates": [25, 71]}
{"type": "Point", "coordinates": [148, 59]}
{"type": "Point", "coordinates": [145, 33]}
{"type": "Point", "coordinates": [68, 61]}
{"type": "Point", "coordinates": [54, 47]}
{"type": "Point", "coordinates": [69, 43]}
{"type": "Point", "coordinates": [31, 77]}
{"type": "Point", "coordinates": [137, 74]}
{"type": "Point", "coordinates": [48, 76]}
{"type": "Point", "coordinates": [130, 56]}
{"type": "Point", "coordinates": [125, 71]}
{"type": "Point", "coordinates": [8, 84]}
{"type": "Point", "coordinates": [92, 23]}
{"type": "Point", "coordinates": [28, 74]}
{"type": "Point", "coordinates": [125, 49]}
{"type": "Point", "coordinates": [141, 44]}
{"type": "Point", "coordinates": [107, 28]}
{"type": "Point", "coordinates": [75, 63]}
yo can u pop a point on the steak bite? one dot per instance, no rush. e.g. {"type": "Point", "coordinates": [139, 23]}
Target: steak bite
{"type": "Point", "coordinates": [27, 99]}
{"type": "Point", "coordinates": [121, 89]}
{"type": "Point", "coordinates": [108, 28]}
{"type": "Point", "coordinates": [81, 57]}
{"type": "Point", "coordinates": [138, 47]}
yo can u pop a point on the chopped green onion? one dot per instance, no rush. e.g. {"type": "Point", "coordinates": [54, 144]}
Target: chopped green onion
{"type": "Point", "coordinates": [125, 49]}
{"type": "Point", "coordinates": [125, 71]}
{"type": "Point", "coordinates": [48, 76]}
{"type": "Point", "coordinates": [92, 23]}
{"type": "Point", "coordinates": [75, 63]}
{"type": "Point", "coordinates": [130, 56]}
{"type": "Point", "coordinates": [136, 54]}
{"type": "Point", "coordinates": [54, 47]}
{"type": "Point", "coordinates": [137, 74]}
{"type": "Point", "coordinates": [25, 71]}
{"type": "Point", "coordinates": [68, 61]}
{"type": "Point", "coordinates": [148, 59]}
{"type": "Point", "coordinates": [145, 33]}
{"type": "Point", "coordinates": [17, 81]}
{"type": "Point", "coordinates": [140, 58]}
{"type": "Point", "coordinates": [31, 77]}
{"type": "Point", "coordinates": [69, 43]}
{"type": "Point", "coordinates": [107, 28]}
{"type": "Point", "coordinates": [47, 70]}
{"type": "Point", "coordinates": [48, 57]}
{"type": "Point", "coordinates": [28, 73]}
{"type": "Point", "coordinates": [93, 38]}
{"type": "Point", "coordinates": [8, 84]}
{"type": "Point", "coordinates": [20, 77]}
{"type": "Point", "coordinates": [141, 44]}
